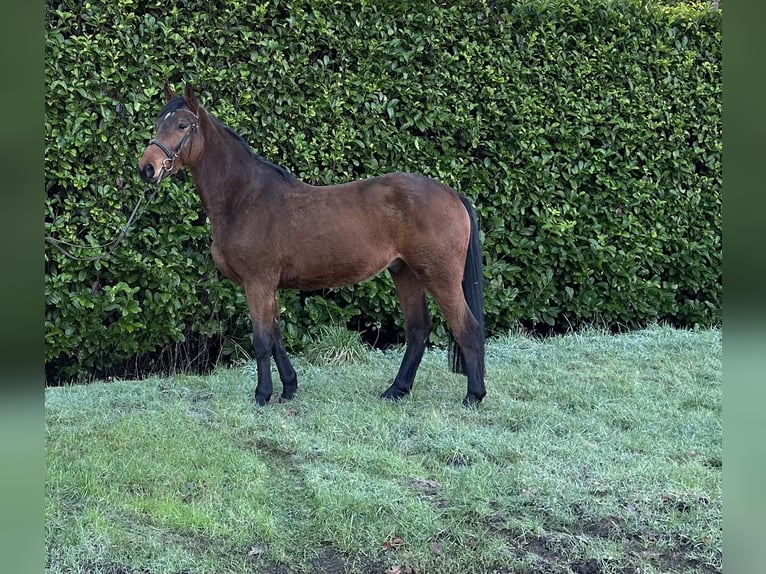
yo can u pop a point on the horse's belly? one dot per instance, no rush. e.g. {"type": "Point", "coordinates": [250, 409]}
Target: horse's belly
{"type": "Point", "coordinates": [323, 273]}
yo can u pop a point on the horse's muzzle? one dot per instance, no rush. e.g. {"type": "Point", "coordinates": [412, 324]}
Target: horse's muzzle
{"type": "Point", "coordinates": [147, 173]}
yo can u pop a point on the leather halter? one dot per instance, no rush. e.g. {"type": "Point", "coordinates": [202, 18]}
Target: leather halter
{"type": "Point", "coordinates": [167, 163]}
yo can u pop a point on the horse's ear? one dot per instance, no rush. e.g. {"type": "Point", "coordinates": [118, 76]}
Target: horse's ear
{"type": "Point", "coordinates": [169, 93]}
{"type": "Point", "coordinates": [190, 99]}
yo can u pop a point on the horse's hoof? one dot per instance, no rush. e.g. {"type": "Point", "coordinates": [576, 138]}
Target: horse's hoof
{"type": "Point", "coordinates": [262, 400]}
{"type": "Point", "coordinates": [394, 394]}
{"type": "Point", "coordinates": [471, 400]}
{"type": "Point", "coordinates": [287, 395]}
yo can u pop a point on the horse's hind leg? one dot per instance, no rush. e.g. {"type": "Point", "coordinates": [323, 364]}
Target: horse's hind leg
{"type": "Point", "coordinates": [417, 321]}
{"type": "Point", "coordinates": [467, 333]}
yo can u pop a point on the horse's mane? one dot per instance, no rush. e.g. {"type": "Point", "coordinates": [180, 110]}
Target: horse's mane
{"type": "Point", "coordinates": [177, 102]}
{"type": "Point", "coordinates": [282, 171]}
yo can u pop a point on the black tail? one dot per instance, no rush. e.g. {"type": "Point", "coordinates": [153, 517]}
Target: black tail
{"type": "Point", "coordinates": [473, 289]}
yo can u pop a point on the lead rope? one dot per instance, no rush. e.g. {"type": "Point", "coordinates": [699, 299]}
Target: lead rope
{"type": "Point", "coordinates": [110, 246]}
{"type": "Point", "coordinates": [167, 166]}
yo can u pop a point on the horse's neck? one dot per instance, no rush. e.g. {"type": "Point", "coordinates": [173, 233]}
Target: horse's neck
{"type": "Point", "coordinates": [224, 173]}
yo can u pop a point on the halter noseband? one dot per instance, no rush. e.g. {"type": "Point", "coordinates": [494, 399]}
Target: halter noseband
{"type": "Point", "coordinates": [167, 163]}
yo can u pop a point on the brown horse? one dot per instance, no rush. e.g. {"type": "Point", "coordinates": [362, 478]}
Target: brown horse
{"type": "Point", "coordinates": [271, 232]}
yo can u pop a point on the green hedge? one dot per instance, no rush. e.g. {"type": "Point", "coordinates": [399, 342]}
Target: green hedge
{"type": "Point", "coordinates": [588, 134]}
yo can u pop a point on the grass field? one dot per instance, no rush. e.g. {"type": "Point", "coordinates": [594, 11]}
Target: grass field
{"type": "Point", "coordinates": [590, 454]}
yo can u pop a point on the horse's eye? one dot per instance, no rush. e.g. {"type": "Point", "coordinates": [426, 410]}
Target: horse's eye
{"type": "Point", "coordinates": [182, 126]}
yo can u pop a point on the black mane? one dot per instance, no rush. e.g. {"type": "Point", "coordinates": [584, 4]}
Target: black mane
{"type": "Point", "coordinates": [282, 171]}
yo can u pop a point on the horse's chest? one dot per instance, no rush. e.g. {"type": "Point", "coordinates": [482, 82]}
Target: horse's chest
{"type": "Point", "coordinates": [222, 263]}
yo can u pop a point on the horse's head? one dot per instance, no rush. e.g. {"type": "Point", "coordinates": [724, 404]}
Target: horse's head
{"type": "Point", "coordinates": [177, 141]}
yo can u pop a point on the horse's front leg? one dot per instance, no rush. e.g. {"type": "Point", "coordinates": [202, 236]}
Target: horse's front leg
{"type": "Point", "coordinates": [263, 313]}
{"type": "Point", "coordinates": [287, 373]}
{"type": "Point", "coordinates": [262, 347]}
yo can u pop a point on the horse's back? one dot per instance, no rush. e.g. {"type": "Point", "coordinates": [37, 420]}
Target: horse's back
{"type": "Point", "coordinates": [400, 198]}
{"type": "Point", "coordinates": [411, 199]}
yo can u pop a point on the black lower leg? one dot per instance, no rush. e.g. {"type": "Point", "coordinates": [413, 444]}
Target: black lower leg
{"type": "Point", "coordinates": [476, 390]}
{"type": "Point", "coordinates": [413, 354]}
{"type": "Point", "coordinates": [417, 321]}
{"type": "Point", "coordinates": [470, 341]}
{"type": "Point", "coordinates": [286, 371]}
{"type": "Point", "coordinates": [262, 346]}
{"type": "Point", "coordinates": [473, 356]}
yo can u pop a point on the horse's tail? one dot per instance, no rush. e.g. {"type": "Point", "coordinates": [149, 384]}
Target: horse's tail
{"type": "Point", "coordinates": [473, 289]}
